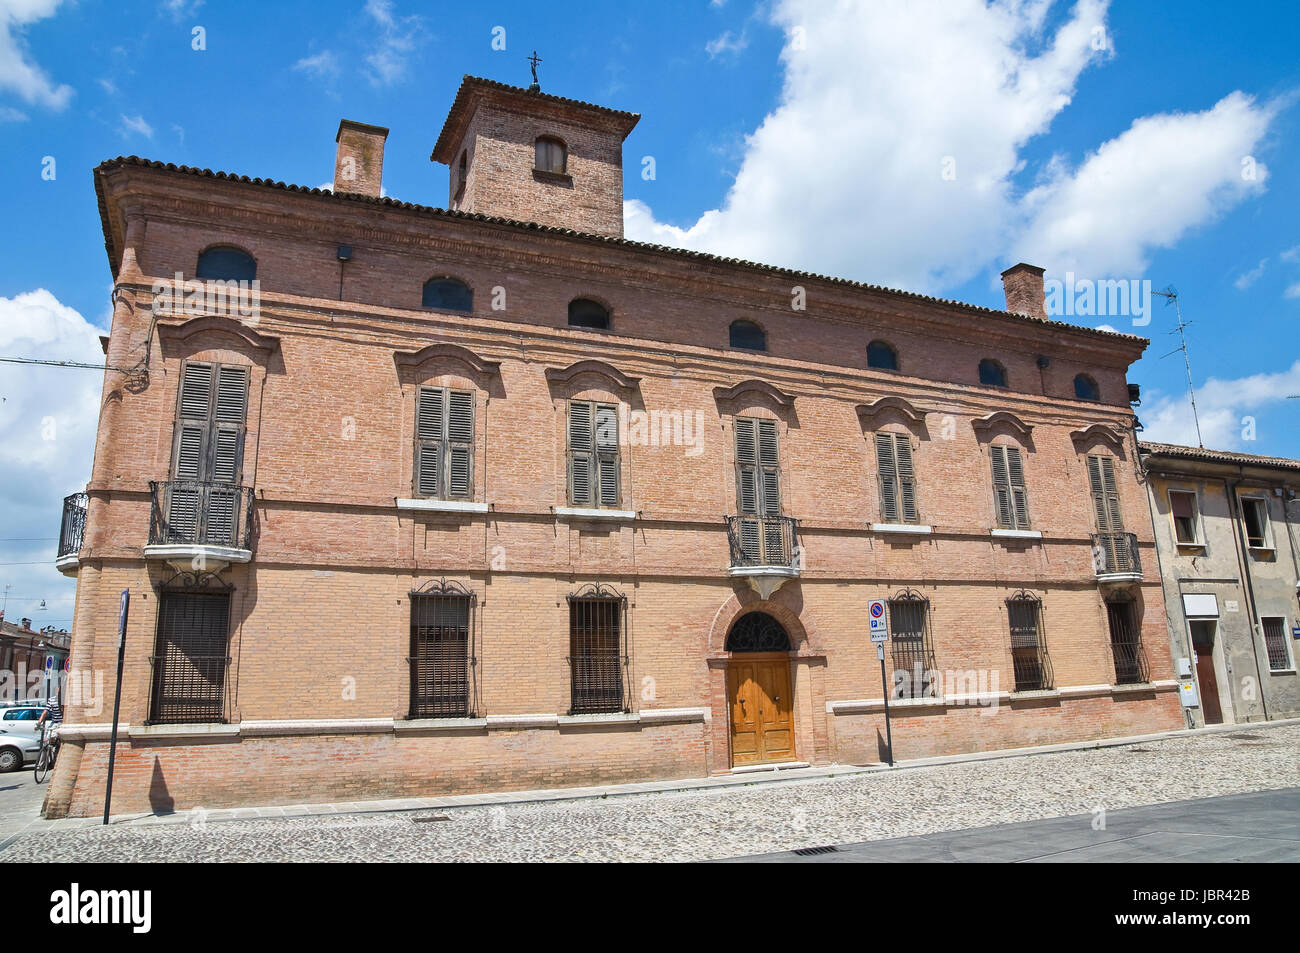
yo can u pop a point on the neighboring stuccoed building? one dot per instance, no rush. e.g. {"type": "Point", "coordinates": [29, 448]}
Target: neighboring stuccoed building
{"type": "Point", "coordinates": [488, 497]}
{"type": "Point", "coordinates": [1226, 536]}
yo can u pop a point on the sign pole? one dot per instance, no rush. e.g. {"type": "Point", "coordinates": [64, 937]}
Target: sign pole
{"type": "Point", "coordinates": [117, 695]}
{"type": "Point", "coordinates": [884, 684]}
{"type": "Point", "coordinates": [878, 623]}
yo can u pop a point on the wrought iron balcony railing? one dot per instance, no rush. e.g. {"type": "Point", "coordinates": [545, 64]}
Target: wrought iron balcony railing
{"type": "Point", "coordinates": [201, 514]}
{"type": "Point", "coordinates": [73, 528]}
{"type": "Point", "coordinates": [1116, 554]}
{"type": "Point", "coordinates": [763, 541]}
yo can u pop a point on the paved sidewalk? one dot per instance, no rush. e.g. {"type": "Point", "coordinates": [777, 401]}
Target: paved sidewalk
{"type": "Point", "coordinates": [742, 817]}
{"type": "Point", "coordinates": [748, 779]}
{"type": "Point", "coordinates": [1262, 827]}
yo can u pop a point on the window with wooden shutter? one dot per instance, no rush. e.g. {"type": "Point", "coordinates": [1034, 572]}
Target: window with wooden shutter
{"type": "Point", "coordinates": [1105, 494]}
{"type": "Point", "coordinates": [593, 454]}
{"type": "Point", "coordinates": [444, 443]}
{"type": "Point", "coordinates": [1011, 500]}
{"type": "Point", "coordinates": [208, 455]}
{"type": "Point", "coordinates": [897, 478]}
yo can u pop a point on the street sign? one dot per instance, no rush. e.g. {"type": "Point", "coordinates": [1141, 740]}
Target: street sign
{"type": "Point", "coordinates": [879, 622]}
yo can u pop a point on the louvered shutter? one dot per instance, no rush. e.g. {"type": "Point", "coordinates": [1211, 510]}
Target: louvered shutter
{"type": "Point", "coordinates": [460, 444]}
{"type": "Point", "coordinates": [906, 477]}
{"type": "Point", "coordinates": [192, 435]}
{"type": "Point", "coordinates": [580, 455]}
{"type": "Point", "coordinates": [1105, 504]}
{"type": "Point", "coordinates": [430, 421]}
{"type": "Point", "coordinates": [1019, 495]}
{"type": "Point", "coordinates": [747, 486]}
{"type": "Point", "coordinates": [1001, 488]}
{"type": "Point", "coordinates": [887, 471]}
{"type": "Point", "coordinates": [606, 441]}
{"type": "Point", "coordinates": [769, 463]}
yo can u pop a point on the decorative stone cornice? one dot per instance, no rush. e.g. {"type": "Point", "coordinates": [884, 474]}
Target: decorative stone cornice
{"type": "Point", "coordinates": [770, 391]}
{"type": "Point", "coordinates": [867, 413]}
{"type": "Point", "coordinates": [566, 375]}
{"type": "Point", "coordinates": [447, 352]}
{"type": "Point", "coordinates": [183, 330]}
{"type": "Point", "coordinates": [1002, 418]}
{"type": "Point", "coordinates": [1097, 432]}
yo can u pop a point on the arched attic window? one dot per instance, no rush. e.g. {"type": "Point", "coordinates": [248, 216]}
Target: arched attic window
{"type": "Point", "coordinates": [748, 335]}
{"type": "Point", "coordinates": [1085, 388]}
{"type": "Point", "coordinates": [585, 313]}
{"type": "Point", "coordinates": [992, 374]}
{"type": "Point", "coordinates": [882, 355]}
{"type": "Point", "coordinates": [447, 294]}
{"type": "Point", "coordinates": [551, 155]}
{"type": "Point", "coordinates": [226, 263]}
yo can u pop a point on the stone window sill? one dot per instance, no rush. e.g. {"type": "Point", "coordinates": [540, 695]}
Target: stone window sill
{"type": "Point", "coordinates": [593, 513]}
{"type": "Point", "coordinates": [901, 528]}
{"type": "Point", "coordinates": [559, 178]}
{"type": "Point", "coordinates": [1017, 533]}
{"type": "Point", "coordinates": [442, 506]}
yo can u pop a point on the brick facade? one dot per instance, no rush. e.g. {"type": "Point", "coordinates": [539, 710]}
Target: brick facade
{"type": "Point", "coordinates": [317, 697]}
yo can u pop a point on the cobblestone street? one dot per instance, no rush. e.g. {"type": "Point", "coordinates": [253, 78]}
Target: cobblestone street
{"type": "Point", "coordinates": [700, 825]}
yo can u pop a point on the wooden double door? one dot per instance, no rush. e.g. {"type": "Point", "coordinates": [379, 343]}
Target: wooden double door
{"type": "Point", "coordinates": [762, 720]}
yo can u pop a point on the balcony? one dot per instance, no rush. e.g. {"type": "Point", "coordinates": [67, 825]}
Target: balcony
{"type": "Point", "coordinates": [1115, 558]}
{"type": "Point", "coordinates": [765, 551]}
{"type": "Point", "coordinates": [200, 526]}
{"type": "Point", "coordinates": [71, 533]}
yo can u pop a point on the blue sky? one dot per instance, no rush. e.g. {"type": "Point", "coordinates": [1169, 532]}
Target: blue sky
{"type": "Point", "coordinates": [1104, 139]}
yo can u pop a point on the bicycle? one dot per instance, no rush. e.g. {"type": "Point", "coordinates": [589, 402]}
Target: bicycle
{"type": "Point", "coordinates": [48, 753]}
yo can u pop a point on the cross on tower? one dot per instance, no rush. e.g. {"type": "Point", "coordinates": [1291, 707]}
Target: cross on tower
{"type": "Point", "coordinates": [534, 60]}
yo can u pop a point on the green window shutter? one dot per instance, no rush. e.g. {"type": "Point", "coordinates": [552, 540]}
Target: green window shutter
{"type": "Point", "coordinates": [580, 453]}
{"type": "Point", "coordinates": [1111, 489]}
{"type": "Point", "coordinates": [1019, 495]}
{"type": "Point", "coordinates": [430, 422]}
{"type": "Point", "coordinates": [460, 444]}
{"type": "Point", "coordinates": [1105, 494]}
{"type": "Point", "coordinates": [747, 487]}
{"type": "Point", "coordinates": [1002, 488]}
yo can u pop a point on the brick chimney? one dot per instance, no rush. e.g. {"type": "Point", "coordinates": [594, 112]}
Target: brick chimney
{"type": "Point", "coordinates": [359, 165]}
{"type": "Point", "coordinates": [1023, 286]}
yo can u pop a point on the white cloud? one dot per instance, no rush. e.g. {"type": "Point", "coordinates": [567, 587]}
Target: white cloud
{"type": "Point", "coordinates": [1292, 291]}
{"type": "Point", "coordinates": [1220, 405]}
{"type": "Point", "coordinates": [48, 419]}
{"type": "Point", "coordinates": [1291, 254]}
{"type": "Point", "coordinates": [179, 9]}
{"type": "Point", "coordinates": [1146, 188]}
{"type": "Point", "coordinates": [137, 124]}
{"type": "Point", "coordinates": [1246, 279]}
{"type": "Point", "coordinates": [396, 41]}
{"type": "Point", "coordinates": [9, 114]}
{"type": "Point", "coordinates": [895, 151]}
{"type": "Point", "coordinates": [320, 66]}
{"type": "Point", "coordinates": [727, 42]}
{"type": "Point", "coordinates": [18, 72]}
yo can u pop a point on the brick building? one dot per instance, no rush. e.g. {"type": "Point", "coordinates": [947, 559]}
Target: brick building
{"type": "Point", "coordinates": [488, 497]}
{"type": "Point", "coordinates": [31, 660]}
{"type": "Point", "coordinates": [1230, 561]}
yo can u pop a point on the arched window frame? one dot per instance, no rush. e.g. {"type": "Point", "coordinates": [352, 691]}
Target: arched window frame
{"type": "Point", "coordinates": [745, 325]}
{"type": "Point", "coordinates": [424, 293]}
{"type": "Point", "coordinates": [1001, 371]}
{"type": "Point", "coordinates": [1085, 382]}
{"type": "Point", "coordinates": [893, 356]}
{"type": "Point", "coordinates": [608, 311]}
{"type": "Point", "coordinates": [225, 247]}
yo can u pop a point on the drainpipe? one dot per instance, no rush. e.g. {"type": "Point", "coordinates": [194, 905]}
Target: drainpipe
{"type": "Point", "coordinates": [1243, 550]}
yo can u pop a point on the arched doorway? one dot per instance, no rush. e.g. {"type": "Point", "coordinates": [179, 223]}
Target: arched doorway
{"type": "Point", "coordinates": [758, 690]}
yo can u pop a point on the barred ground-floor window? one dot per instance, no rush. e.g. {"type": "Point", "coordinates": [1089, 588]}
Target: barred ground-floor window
{"type": "Point", "coordinates": [1029, 660]}
{"type": "Point", "coordinates": [597, 658]}
{"type": "Point", "coordinates": [910, 646]}
{"type": "Point", "coordinates": [1279, 653]}
{"type": "Point", "coordinates": [191, 659]}
{"type": "Point", "coordinates": [440, 653]}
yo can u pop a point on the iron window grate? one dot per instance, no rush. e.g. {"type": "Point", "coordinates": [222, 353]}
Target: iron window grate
{"type": "Point", "coordinates": [440, 656]}
{"type": "Point", "coordinates": [596, 660]}
{"type": "Point", "coordinates": [910, 647]}
{"type": "Point", "coordinates": [192, 660]}
{"type": "Point", "coordinates": [1031, 666]}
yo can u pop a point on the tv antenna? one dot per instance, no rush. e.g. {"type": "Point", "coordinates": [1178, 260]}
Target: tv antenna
{"type": "Point", "coordinates": [1171, 293]}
